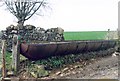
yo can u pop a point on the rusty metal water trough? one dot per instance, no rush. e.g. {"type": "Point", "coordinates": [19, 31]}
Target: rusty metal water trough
{"type": "Point", "coordinates": [36, 51]}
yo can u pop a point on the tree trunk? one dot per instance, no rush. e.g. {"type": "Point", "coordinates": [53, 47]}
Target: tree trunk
{"type": "Point", "coordinates": [20, 24]}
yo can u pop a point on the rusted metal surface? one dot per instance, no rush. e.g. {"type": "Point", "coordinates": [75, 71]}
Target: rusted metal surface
{"type": "Point", "coordinates": [90, 45]}
{"type": "Point", "coordinates": [104, 45]}
{"type": "Point", "coordinates": [72, 46]}
{"type": "Point", "coordinates": [61, 48]}
{"type": "Point", "coordinates": [37, 51]}
{"type": "Point", "coordinates": [81, 46]}
{"type": "Point", "coordinates": [97, 45]}
{"type": "Point", "coordinates": [112, 44]}
{"type": "Point", "coordinates": [44, 50]}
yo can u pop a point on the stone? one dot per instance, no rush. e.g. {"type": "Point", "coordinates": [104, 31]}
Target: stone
{"type": "Point", "coordinates": [60, 30]}
{"type": "Point", "coordinates": [61, 75]}
{"type": "Point", "coordinates": [34, 75]}
{"type": "Point", "coordinates": [31, 33]}
{"type": "Point", "coordinates": [40, 67]}
{"type": "Point", "coordinates": [10, 73]}
{"type": "Point", "coordinates": [71, 68]}
{"type": "Point", "coordinates": [73, 72]}
{"type": "Point", "coordinates": [65, 69]}
{"type": "Point", "coordinates": [77, 66]}
{"type": "Point", "coordinates": [58, 73]}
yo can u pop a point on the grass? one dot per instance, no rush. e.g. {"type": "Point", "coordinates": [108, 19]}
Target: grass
{"type": "Point", "coordinates": [8, 59]}
{"type": "Point", "coordinates": [87, 35]}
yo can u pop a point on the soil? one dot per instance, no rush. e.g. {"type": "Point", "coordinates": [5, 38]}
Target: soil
{"type": "Point", "coordinates": [100, 68]}
{"type": "Point", "coordinates": [106, 68]}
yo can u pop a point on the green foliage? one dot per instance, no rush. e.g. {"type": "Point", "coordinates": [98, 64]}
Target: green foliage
{"type": "Point", "coordinates": [60, 61]}
{"type": "Point", "coordinates": [91, 35]}
{"type": "Point", "coordinates": [8, 60]}
{"type": "Point", "coordinates": [37, 70]}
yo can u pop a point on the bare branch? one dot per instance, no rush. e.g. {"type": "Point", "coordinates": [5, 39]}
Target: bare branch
{"type": "Point", "coordinates": [35, 10]}
{"type": "Point", "coordinates": [10, 8]}
{"type": "Point", "coordinates": [24, 10]}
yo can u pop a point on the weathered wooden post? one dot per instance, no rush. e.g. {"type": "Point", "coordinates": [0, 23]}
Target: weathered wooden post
{"type": "Point", "coordinates": [118, 40]}
{"type": "Point", "coordinates": [3, 51]}
{"type": "Point", "coordinates": [15, 54]}
{"type": "Point", "coordinates": [118, 30]}
{"type": "Point", "coordinates": [108, 34]}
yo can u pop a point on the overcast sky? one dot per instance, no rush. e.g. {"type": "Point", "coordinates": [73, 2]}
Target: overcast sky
{"type": "Point", "coordinates": [72, 15]}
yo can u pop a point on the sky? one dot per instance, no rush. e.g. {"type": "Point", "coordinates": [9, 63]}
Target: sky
{"type": "Point", "coordinates": [72, 15]}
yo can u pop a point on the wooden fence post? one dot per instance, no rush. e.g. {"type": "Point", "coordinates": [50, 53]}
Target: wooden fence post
{"type": "Point", "coordinates": [15, 54]}
{"type": "Point", "coordinates": [108, 34]}
{"type": "Point", "coordinates": [3, 58]}
{"type": "Point", "coordinates": [119, 40]}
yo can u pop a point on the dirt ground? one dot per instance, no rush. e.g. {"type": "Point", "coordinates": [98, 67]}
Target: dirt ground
{"type": "Point", "coordinates": [101, 68]}
{"type": "Point", "coordinates": [105, 68]}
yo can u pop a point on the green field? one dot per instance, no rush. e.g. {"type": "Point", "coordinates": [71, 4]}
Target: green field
{"type": "Point", "coordinates": [86, 35]}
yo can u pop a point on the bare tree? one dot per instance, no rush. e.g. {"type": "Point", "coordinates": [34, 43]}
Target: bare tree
{"type": "Point", "coordinates": [24, 9]}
